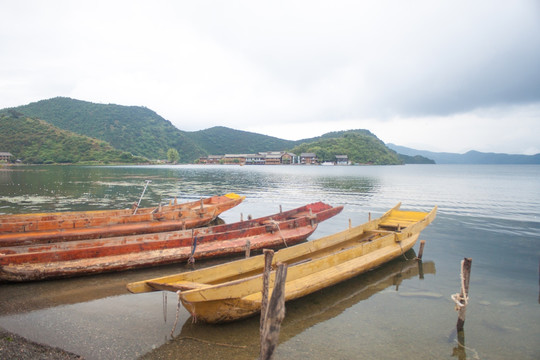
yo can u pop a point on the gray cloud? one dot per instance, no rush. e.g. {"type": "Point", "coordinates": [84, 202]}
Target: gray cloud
{"type": "Point", "coordinates": [275, 67]}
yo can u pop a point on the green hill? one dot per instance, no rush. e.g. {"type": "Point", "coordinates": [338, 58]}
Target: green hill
{"type": "Point", "coordinates": [129, 128]}
{"type": "Point", "coordinates": [361, 147]}
{"type": "Point", "coordinates": [38, 142]}
{"type": "Point", "coordinates": [220, 140]}
{"type": "Point", "coordinates": [142, 132]}
{"type": "Point", "coordinates": [416, 159]}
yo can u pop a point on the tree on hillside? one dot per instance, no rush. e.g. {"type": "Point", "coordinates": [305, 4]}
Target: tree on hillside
{"type": "Point", "coordinates": [173, 156]}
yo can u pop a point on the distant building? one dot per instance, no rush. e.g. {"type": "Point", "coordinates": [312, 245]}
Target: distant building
{"type": "Point", "coordinates": [342, 160]}
{"type": "Point", "coordinates": [5, 156]}
{"type": "Point", "coordinates": [262, 158]}
{"type": "Point", "coordinates": [308, 158]}
{"type": "Point", "coordinates": [255, 159]}
{"type": "Point", "coordinates": [235, 159]}
{"type": "Point", "coordinates": [211, 159]}
{"type": "Point", "coordinates": [270, 158]}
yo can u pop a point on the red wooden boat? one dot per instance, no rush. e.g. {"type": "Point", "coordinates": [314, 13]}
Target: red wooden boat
{"type": "Point", "coordinates": [81, 257]}
{"type": "Point", "coordinates": [46, 227]}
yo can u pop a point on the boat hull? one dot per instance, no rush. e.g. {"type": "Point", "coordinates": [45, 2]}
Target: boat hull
{"type": "Point", "coordinates": [75, 258]}
{"type": "Point", "coordinates": [227, 310]}
{"type": "Point", "coordinates": [43, 228]}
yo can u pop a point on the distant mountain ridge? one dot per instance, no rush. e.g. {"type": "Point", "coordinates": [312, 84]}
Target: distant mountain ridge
{"type": "Point", "coordinates": [39, 142]}
{"type": "Point", "coordinates": [219, 140]}
{"type": "Point", "coordinates": [142, 132]}
{"type": "Point", "coordinates": [128, 128]}
{"type": "Point", "coordinates": [470, 157]}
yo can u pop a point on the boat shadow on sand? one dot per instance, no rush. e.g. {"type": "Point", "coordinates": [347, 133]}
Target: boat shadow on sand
{"type": "Point", "coordinates": [240, 339]}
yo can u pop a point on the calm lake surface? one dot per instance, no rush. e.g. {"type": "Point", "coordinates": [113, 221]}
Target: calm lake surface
{"type": "Point", "coordinates": [401, 310]}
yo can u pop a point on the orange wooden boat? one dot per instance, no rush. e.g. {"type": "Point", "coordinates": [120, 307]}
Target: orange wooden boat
{"type": "Point", "coordinates": [80, 257]}
{"type": "Point", "coordinates": [46, 227]}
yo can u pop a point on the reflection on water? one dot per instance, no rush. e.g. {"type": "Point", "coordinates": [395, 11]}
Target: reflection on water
{"type": "Point", "coordinates": [31, 189]}
{"type": "Point", "coordinates": [25, 297]}
{"type": "Point", "coordinates": [241, 340]}
{"type": "Point", "coordinates": [488, 213]}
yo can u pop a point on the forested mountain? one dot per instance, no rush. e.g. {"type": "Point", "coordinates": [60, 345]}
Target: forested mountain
{"type": "Point", "coordinates": [361, 147]}
{"type": "Point", "coordinates": [142, 132]}
{"type": "Point", "coordinates": [129, 128]}
{"type": "Point", "coordinates": [38, 142]}
{"type": "Point", "coordinates": [221, 140]}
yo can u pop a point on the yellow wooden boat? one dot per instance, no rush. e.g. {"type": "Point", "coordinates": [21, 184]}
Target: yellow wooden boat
{"type": "Point", "coordinates": [233, 290]}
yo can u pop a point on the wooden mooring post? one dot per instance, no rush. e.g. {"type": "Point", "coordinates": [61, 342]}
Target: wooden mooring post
{"type": "Point", "coordinates": [462, 298]}
{"type": "Point", "coordinates": [268, 256]}
{"type": "Point", "coordinates": [419, 258]}
{"type": "Point", "coordinates": [273, 310]}
{"type": "Point", "coordinates": [421, 250]}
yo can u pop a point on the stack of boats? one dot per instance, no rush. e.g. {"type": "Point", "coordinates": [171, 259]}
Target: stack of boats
{"type": "Point", "coordinates": [54, 245]}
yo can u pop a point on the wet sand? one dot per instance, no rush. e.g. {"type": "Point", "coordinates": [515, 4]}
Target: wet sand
{"type": "Point", "coordinates": [15, 347]}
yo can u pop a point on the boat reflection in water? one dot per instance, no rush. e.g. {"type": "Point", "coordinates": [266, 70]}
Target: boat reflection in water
{"type": "Point", "coordinates": [30, 296]}
{"type": "Point", "coordinates": [241, 339]}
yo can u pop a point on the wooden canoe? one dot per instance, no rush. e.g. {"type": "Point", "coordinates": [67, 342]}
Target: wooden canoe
{"type": "Point", "coordinates": [80, 257]}
{"type": "Point", "coordinates": [317, 308]}
{"type": "Point", "coordinates": [232, 291]}
{"type": "Point", "coordinates": [42, 228]}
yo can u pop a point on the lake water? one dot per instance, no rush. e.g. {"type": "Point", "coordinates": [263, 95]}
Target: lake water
{"type": "Point", "coordinates": [401, 310]}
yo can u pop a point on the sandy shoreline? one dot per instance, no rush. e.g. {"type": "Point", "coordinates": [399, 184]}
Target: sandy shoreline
{"type": "Point", "coordinates": [13, 346]}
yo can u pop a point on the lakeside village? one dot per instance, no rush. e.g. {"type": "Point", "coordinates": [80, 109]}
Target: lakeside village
{"type": "Point", "coordinates": [262, 158]}
{"type": "Point", "coordinates": [271, 158]}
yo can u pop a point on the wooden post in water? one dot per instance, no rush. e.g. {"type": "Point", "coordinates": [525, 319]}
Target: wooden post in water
{"type": "Point", "coordinates": [419, 258]}
{"type": "Point", "coordinates": [421, 250]}
{"type": "Point", "coordinates": [268, 256]}
{"type": "Point", "coordinates": [462, 298]}
{"type": "Point", "coordinates": [275, 313]}
{"type": "Point", "coordinates": [420, 270]}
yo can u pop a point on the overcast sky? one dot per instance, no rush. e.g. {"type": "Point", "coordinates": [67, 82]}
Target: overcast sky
{"type": "Point", "coordinates": [433, 75]}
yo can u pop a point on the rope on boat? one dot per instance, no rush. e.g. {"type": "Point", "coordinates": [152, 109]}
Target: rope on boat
{"type": "Point", "coordinates": [461, 300]}
{"type": "Point", "coordinates": [402, 253]}
{"type": "Point", "coordinates": [276, 224]}
{"type": "Point", "coordinates": [191, 259]}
